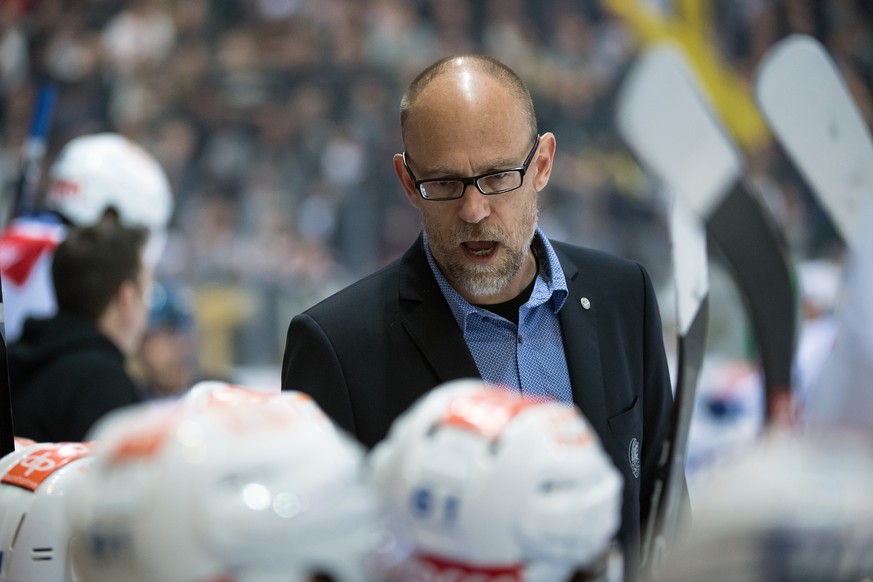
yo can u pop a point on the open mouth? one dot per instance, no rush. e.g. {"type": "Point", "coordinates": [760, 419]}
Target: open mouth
{"type": "Point", "coordinates": [479, 248]}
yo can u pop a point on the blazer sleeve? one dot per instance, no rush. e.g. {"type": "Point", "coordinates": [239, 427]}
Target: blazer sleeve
{"type": "Point", "coordinates": [311, 365]}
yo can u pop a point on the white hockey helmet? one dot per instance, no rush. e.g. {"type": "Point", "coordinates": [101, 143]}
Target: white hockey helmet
{"type": "Point", "coordinates": [486, 483]}
{"type": "Point", "coordinates": [34, 528]}
{"type": "Point", "coordinates": [249, 487]}
{"type": "Point", "coordinates": [791, 507]}
{"type": "Point", "coordinates": [208, 393]}
{"type": "Point", "coordinates": [98, 172]}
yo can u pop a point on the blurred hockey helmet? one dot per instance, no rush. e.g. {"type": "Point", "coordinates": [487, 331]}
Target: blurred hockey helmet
{"type": "Point", "coordinates": [791, 507]}
{"type": "Point", "coordinates": [230, 483]}
{"type": "Point", "coordinates": [98, 172]}
{"type": "Point", "coordinates": [35, 533]}
{"type": "Point", "coordinates": [209, 393]}
{"type": "Point", "coordinates": [488, 484]}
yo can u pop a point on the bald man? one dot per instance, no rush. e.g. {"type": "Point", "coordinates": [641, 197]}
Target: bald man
{"type": "Point", "coordinates": [484, 293]}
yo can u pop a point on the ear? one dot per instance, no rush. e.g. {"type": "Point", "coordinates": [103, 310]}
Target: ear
{"type": "Point", "coordinates": [406, 181]}
{"type": "Point", "coordinates": [127, 295]}
{"type": "Point", "coordinates": [543, 160]}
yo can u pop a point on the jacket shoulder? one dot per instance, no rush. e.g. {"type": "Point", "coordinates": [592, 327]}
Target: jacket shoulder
{"type": "Point", "coordinates": [585, 258]}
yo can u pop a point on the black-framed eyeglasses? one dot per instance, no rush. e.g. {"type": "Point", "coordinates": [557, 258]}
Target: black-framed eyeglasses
{"type": "Point", "coordinates": [491, 183]}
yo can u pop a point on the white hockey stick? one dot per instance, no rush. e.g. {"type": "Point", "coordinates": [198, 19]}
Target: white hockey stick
{"type": "Point", "coordinates": [672, 130]}
{"type": "Point", "coordinates": [806, 103]}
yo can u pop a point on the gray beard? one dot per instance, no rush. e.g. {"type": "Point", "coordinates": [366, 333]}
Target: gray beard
{"type": "Point", "coordinates": [482, 280]}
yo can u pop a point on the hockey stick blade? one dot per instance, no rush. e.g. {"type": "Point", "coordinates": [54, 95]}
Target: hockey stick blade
{"type": "Point", "coordinates": [747, 239]}
{"type": "Point", "coordinates": [672, 130]}
{"type": "Point", "coordinates": [662, 119]}
{"type": "Point", "coordinates": [805, 101]}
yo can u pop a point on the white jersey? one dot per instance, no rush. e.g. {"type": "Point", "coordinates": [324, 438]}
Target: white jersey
{"type": "Point", "coordinates": [26, 250]}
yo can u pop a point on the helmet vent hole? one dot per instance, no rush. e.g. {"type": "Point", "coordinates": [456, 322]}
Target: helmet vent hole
{"type": "Point", "coordinates": [42, 554]}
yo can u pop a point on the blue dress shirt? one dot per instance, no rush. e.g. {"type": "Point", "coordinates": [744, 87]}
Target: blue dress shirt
{"type": "Point", "coordinates": [528, 357]}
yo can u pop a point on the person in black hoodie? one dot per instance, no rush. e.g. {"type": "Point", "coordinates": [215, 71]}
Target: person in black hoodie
{"type": "Point", "coordinates": [68, 370]}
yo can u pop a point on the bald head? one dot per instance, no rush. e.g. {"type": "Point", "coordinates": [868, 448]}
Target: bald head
{"type": "Point", "coordinates": [465, 80]}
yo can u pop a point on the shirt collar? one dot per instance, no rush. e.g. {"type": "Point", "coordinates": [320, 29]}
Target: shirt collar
{"type": "Point", "coordinates": [550, 286]}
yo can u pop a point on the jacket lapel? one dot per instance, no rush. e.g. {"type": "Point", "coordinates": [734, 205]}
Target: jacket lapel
{"type": "Point", "coordinates": [429, 321]}
{"type": "Point", "coordinates": [581, 347]}
{"type": "Point", "coordinates": [430, 324]}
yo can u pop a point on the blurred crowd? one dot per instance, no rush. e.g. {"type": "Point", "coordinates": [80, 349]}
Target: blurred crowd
{"type": "Point", "coordinates": [276, 121]}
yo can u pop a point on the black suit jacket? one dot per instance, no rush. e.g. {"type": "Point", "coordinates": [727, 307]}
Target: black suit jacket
{"type": "Point", "coordinates": [368, 352]}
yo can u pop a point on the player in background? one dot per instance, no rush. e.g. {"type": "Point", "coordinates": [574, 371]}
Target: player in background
{"type": "Point", "coordinates": [69, 369]}
{"type": "Point", "coordinates": [485, 484]}
{"type": "Point", "coordinates": [94, 177]}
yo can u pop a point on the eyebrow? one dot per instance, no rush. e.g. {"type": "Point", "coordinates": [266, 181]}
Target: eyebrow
{"type": "Point", "coordinates": [494, 166]}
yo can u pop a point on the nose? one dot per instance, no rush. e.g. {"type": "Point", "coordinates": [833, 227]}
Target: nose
{"type": "Point", "coordinates": [475, 206]}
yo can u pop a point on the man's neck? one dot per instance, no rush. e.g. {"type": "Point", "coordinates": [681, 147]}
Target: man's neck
{"type": "Point", "coordinates": [111, 325]}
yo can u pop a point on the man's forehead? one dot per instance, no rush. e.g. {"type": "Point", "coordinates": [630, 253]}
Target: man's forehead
{"type": "Point", "coordinates": [463, 99]}
{"type": "Point", "coordinates": [460, 87]}
{"type": "Point", "coordinates": [445, 118]}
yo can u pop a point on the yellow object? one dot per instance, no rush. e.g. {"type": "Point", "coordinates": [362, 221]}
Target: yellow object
{"type": "Point", "coordinates": [220, 310]}
{"type": "Point", "coordinates": [729, 95]}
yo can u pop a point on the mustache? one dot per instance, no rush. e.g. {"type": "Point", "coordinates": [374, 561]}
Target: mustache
{"type": "Point", "coordinates": [480, 232]}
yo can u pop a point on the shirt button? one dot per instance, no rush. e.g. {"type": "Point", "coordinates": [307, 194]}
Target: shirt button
{"type": "Point", "coordinates": [519, 339]}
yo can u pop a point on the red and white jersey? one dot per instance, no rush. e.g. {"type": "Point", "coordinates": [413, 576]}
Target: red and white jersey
{"type": "Point", "coordinates": [26, 250]}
